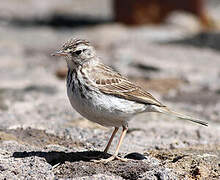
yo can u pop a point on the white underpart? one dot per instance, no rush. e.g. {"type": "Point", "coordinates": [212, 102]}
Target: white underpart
{"type": "Point", "coordinates": [106, 110]}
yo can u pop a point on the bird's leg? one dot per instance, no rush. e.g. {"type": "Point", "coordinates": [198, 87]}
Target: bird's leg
{"type": "Point", "coordinates": [115, 155]}
{"type": "Point", "coordinates": [124, 131]}
{"type": "Point", "coordinates": [107, 147]}
{"type": "Point", "coordinates": [110, 140]}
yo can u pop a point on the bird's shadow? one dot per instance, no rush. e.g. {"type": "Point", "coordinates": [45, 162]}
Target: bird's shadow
{"type": "Point", "coordinates": [56, 157]}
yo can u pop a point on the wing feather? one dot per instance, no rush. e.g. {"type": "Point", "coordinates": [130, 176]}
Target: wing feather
{"type": "Point", "coordinates": [110, 82]}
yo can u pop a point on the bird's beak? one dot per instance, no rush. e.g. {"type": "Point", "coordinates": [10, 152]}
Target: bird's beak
{"type": "Point", "coordinates": [59, 53]}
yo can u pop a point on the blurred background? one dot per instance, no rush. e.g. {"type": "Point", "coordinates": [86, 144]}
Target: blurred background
{"type": "Point", "coordinates": [169, 47]}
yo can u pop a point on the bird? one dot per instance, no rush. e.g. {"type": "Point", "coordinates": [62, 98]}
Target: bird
{"type": "Point", "coordinates": [104, 96]}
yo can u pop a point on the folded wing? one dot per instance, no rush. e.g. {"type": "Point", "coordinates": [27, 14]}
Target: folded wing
{"type": "Point", "coordinates": [110, 82]}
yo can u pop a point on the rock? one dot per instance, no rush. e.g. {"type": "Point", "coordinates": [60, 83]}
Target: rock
{"type": "Point", "coordinates": [46, 10]}
{"type": "Point", "coordinates": [61, 73]}
{"type": "Point", "coordinates": [194, 162]}
{"type": "Point", "coordinates": [154, 11]}
{"type": "Point", "coordinates": [135, 156]}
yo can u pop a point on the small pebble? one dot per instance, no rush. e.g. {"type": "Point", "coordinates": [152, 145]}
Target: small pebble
{"type": "Point", "coordinates": [135, 156]}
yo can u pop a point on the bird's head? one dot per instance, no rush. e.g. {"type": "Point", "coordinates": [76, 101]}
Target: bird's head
{"type": "Point", "coordinates": [76, 52]}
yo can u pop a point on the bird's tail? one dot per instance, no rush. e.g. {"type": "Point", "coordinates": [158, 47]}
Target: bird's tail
{"type": "Point", "coordinates": [165, 110]}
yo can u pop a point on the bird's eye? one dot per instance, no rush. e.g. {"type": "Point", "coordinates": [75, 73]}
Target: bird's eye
{"type": "Point", "coordinates": [78, 52]}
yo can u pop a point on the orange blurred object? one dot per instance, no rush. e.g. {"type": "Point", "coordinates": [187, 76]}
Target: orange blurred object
{"type": "Point", "coordinates": [137, 12]}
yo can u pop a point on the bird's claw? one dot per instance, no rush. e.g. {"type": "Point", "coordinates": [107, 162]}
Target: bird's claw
{"type": "Point", "coordinates": [110, 159]}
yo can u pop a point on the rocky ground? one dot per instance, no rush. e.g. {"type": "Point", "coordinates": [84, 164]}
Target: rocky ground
{"type": "Point", "coordinates": [42, 137]}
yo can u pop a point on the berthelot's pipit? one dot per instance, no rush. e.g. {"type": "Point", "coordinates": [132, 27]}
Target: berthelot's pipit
{"type": "Point", "coordinates": [102, 95]}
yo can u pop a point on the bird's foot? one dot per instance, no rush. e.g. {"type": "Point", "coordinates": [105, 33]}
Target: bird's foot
{"type": "Point", "coordinates": [113, 157]}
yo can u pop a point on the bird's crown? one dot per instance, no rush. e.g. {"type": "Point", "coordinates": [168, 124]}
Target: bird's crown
{"type": "Point", "coordinates": [74, 43]}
